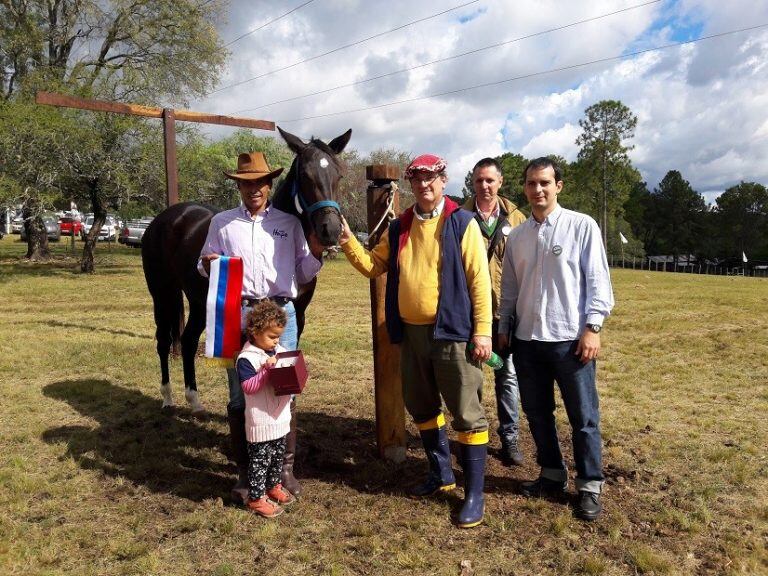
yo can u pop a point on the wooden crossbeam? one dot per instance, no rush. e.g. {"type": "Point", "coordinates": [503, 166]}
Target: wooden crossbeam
{"type": "Point", "coordinates": [169, 117]}
{"type": "Point", "coordinates": [53, 99]}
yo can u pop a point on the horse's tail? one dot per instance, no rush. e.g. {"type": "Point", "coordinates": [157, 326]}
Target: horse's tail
{"type": "Point", "coordinates": [166, 292]}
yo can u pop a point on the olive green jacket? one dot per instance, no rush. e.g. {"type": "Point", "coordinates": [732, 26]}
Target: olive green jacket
{"type": "Point", "coordinates": [509, 217]}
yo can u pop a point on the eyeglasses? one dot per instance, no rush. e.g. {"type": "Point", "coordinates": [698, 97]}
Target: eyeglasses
{"type": "Point", "coordinates": [423, 180]}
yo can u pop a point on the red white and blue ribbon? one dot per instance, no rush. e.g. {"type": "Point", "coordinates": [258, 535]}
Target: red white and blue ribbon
{"type": "Point", "coordinates": [222, 325]}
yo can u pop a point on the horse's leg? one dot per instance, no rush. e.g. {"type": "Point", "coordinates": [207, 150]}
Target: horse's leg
{"type": "Point", "coordinates": [190, 340]}
{"type": "Point", "coordinates": [166, 304]}
{"type": "Point", "coordinates": [163, 351]}
{"type": "Point", "coordinates": [306, 291]}
{"type": "Point", "coordinates": [287, 477]}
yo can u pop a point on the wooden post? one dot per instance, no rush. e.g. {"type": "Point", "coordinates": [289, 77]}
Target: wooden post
{"type": "Point", "coordinates": [171, 171]}
{"type": "Point", "coordinates": [390, 409]}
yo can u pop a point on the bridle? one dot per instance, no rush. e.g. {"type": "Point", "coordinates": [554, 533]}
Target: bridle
{"type": "Point", "coordinates": [301, 203]}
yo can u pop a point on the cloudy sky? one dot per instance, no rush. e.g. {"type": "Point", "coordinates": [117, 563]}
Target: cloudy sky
{"type": "Point", "coordinates": [702, 107]}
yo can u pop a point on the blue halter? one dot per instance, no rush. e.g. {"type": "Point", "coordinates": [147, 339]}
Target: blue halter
{"type": "Point", "coordinates": [301, 204]}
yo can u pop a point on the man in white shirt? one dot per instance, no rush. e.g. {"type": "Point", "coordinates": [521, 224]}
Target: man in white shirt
{"type": "Point", "coordinates": [276, 260]}
{"type": "Point", "coordinates": [555, 293]}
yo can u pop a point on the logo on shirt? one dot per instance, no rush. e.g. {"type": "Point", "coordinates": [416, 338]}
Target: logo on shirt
{"type": "Point", "coordinates": [279, 233]}
{"type": "Point", "coordinates": [557, 250]}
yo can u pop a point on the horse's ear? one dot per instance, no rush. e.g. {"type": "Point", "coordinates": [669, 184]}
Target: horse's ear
{"type": "Point", "coordinates": [294, 142]}
{"type": "Point", "coordinates": [340, 142]}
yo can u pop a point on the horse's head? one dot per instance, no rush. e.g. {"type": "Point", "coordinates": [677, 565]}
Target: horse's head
{"type": "Point", "coordinates": [314, 180]}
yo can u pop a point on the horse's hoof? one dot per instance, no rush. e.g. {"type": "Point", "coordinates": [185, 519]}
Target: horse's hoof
{"type": "Point", "coordinates": [167, 409]}
{"type": "Point", "coordinates": [200, 413]}
{"type": "Point", "coordinates": [198, 410]}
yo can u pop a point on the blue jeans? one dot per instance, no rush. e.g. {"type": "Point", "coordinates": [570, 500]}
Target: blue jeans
{"type": "Point", "coordinates": [507, 398]}
{"type": "Point", "coordinates": [539, 365]}
{"type": "Point", "coordinates": [289, 340]}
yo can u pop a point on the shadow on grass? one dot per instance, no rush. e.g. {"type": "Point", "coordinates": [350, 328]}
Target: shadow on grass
{"type": "Point", "coordinates": [56, 266]}
{"type": "Point", "coordinates": [93, 329]}
{"type": "Point", "coordinates": [173, 454]}
{"type": "Point", "coordinates": [136, 441]}
{"type": "Point", "coordinates": [343, 450]}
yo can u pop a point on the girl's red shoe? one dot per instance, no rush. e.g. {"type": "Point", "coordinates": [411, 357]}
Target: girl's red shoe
{"type": "Point", "coordinates": [264, 507]}
{"type": "Point", "coordinates": [281, 495]}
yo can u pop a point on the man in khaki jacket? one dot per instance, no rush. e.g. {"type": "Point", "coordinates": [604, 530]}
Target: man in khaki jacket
{"type": "Point", "coordinates": [497, 216]}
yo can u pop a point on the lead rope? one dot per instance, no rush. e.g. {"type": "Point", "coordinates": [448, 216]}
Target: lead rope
{"type": "Point", "coordinates": [389, 213]}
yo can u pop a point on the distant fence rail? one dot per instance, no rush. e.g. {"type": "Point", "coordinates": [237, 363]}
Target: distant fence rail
{"type": "Point", "coordinates": [635, 263]}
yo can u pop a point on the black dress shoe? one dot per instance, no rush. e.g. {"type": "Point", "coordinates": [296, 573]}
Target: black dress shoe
{"type": "Point", "coordinates": [589, 507]}
{"type": "Point", "coordinates": [543, 487]}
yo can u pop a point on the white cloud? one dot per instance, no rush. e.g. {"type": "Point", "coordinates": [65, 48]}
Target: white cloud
{"type": "Point", "coordinates": [700, 107]}
{"type": "Point", "coordinates": [560, 141]}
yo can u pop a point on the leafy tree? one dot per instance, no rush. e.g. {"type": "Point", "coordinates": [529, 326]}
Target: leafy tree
{"type": "Point", "coordinates": [30, 148]}
{"type": "Point", "coordinates": [640, 215]}
{"type": "Point", "coordinates": [142, 50]}
{"type": "Point", "coordinates": [678, 210]}
{"type": "Point", "coordinates": [606, 174]}
{"type": "Point", "coordinates": [742, 220]}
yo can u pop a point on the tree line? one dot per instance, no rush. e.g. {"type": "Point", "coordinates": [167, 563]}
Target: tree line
{"type": "Point", "coordinates": [672, 219]}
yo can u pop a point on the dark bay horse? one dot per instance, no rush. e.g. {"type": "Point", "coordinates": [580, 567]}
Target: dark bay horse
{"type": "Point", "coordinates": [172, 243]}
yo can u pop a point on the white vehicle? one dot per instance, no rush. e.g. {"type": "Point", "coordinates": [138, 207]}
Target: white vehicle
{"type": "Point", "coordinates": [108, 229]}
{"type": "Point", "coordinates": [17, 224]}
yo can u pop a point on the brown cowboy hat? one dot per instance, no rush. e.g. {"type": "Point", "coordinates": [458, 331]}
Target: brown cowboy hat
{"type": "Point", "coordinates": [253, 166]}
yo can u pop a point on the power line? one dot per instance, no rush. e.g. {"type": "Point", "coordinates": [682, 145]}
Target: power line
{"type": "Point", "coordinates": [267, 23]}
{"type": "Point", "coordinates": [475, 51]}
{"type": "Point", "coordinates": [276, 70]}
{"type": "Point", "coordinates": [531, 75]}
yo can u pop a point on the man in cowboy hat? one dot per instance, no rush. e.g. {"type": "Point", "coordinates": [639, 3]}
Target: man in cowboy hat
{"type": "Point", "coordinates": [276, 260]}
{"type": "Point", "coordinates": [438, 300]}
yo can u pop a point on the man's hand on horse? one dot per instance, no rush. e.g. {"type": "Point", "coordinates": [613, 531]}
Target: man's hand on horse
{"type": "Point", "coordinates": [482, 350]}
{"type": "Point", "coordinates": [206, 260]}
{"type": "Point", "coordinates": [346, 231]}
{"type": "Point", "coordinates": [315, 246]}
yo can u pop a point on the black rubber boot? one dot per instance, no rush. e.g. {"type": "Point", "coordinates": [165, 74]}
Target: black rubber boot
{"type": "Point", "coordinates": [287, 478]}
{"type": "Point", "coordinates": [440, 478]}
{"type": "Point", "coordinates": [473, 458]}
{"type": "Point", "coordinates": [236, 418]}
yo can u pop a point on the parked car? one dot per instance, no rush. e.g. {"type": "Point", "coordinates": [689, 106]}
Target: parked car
{"type": "Point", "coordinates": [67, 225]}
{"type": "Point", "coordinates": [108, 229]}
{"type": "Point", "coordinates": [133, 231]}
{"type": "Point", "coordinates": [51, 227]}
{"type": "Point", "coordinates": [17, 225]}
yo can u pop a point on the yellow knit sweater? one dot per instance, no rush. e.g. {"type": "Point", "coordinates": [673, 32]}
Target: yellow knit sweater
{"type": "Point", "coordinates": [420, 261]}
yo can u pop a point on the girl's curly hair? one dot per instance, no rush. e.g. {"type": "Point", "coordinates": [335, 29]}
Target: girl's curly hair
{"type": "Point", "coordinates": [262, 316]}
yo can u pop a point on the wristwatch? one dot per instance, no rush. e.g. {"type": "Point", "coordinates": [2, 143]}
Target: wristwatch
{"type": "Point", "coordinates": [594, 328]}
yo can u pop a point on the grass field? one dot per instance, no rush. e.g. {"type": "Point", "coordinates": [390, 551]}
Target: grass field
{"type": "Point", "coordinates": [95, 480]}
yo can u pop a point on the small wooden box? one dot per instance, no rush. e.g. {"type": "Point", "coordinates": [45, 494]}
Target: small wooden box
{"type": "Point", "coordinates": [289, 374]}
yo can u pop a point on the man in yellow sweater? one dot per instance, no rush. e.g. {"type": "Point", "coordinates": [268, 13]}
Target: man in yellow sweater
{"type": "Point", "coordinates": [438, 300]}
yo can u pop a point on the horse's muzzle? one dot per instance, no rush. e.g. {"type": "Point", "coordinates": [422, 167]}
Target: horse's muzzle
{"type": "Point", "coordinates": [327, 225]}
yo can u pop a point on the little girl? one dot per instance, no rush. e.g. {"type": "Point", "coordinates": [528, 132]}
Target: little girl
{"type": "Point", "coordinates": [267, 416]}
